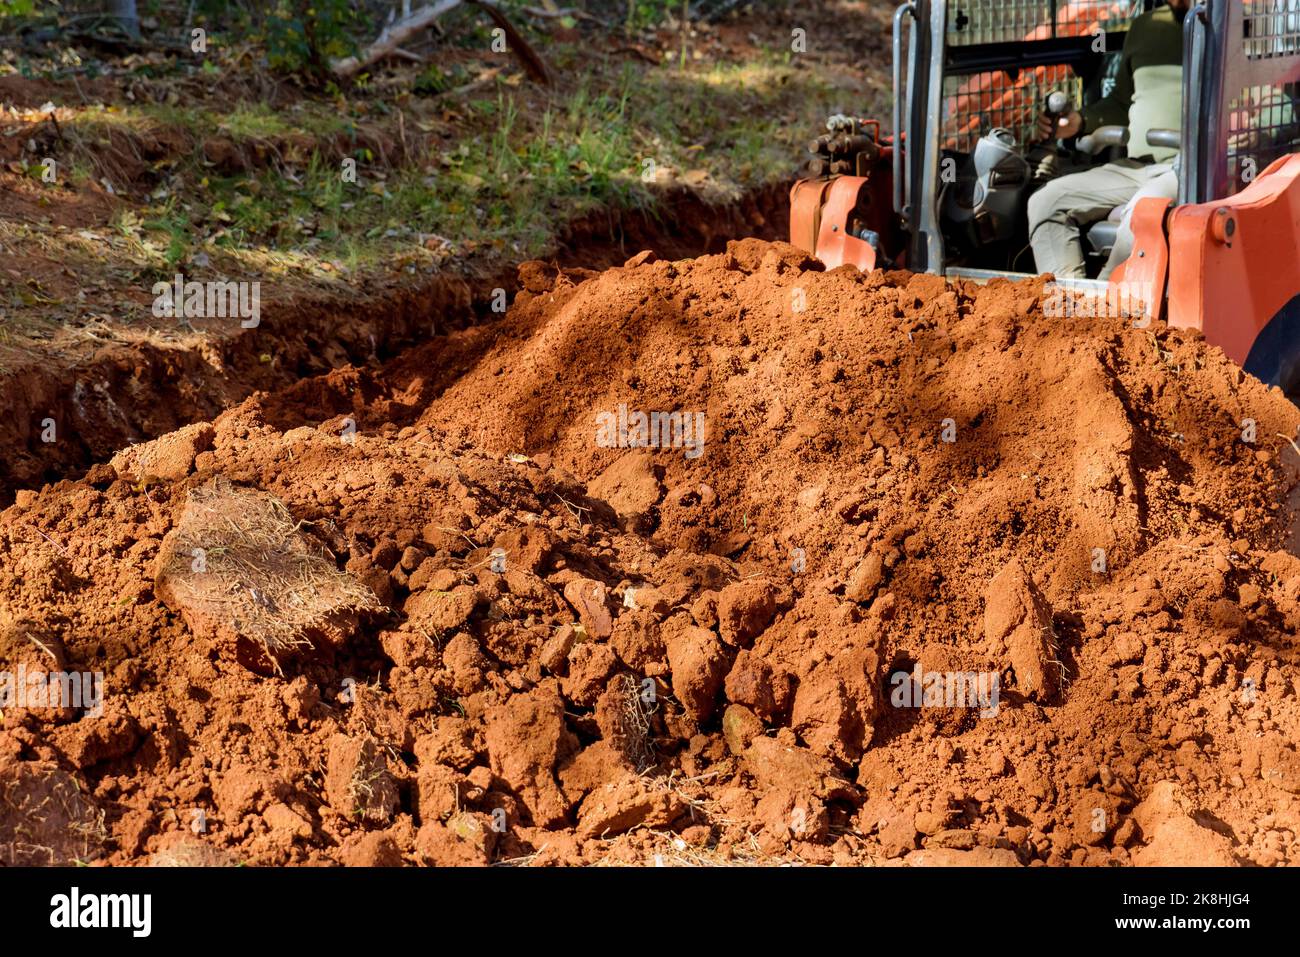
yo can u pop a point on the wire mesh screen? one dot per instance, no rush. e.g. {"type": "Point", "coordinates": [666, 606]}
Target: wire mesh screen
{"type": "Point", "coordinates": [1262, 127]}
{"type": "Point", "coordinates": [990, 21]}
{"type": "Point", "coordinates": [973, 105]}
{"type": "Point", "coordinates": [1272, 28]}
{"type": "Point", "coordinates": [972, 22]}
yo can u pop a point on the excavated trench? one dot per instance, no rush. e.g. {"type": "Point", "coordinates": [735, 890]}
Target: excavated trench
{"type": "Point", "coordinates": [128, 394]}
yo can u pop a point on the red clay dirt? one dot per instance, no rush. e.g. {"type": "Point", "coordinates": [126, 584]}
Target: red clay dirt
{"type": "Point", "coordinates": [102, 395]}
{"type": "Point", "coordinates": [735, 648]}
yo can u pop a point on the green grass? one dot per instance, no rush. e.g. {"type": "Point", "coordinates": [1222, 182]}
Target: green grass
{"type": "Point", "coordinates": [259, 121]}
{"type": "Point", "coordinates": [507, 187]}
{"type": "Point", "coordinates": [246, 122]}
{"type": "Point", "coordinates": [507, 180]}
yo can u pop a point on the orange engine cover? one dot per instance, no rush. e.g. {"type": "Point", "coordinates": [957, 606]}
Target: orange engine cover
{"type": "Point", "coordinates": [823, 210]}
{"type": "Point", "coordinates": [819, 221]}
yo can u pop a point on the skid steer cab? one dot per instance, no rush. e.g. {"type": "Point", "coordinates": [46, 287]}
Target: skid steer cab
{"type": "Point", "coordinates": [951, 191]}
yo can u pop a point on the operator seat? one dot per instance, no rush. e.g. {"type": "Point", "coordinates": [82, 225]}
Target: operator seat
{"type": "Point", "coordinates": [1103, 235]}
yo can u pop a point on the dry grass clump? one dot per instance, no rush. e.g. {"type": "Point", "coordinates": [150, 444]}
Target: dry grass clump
{"type": "Point", "coordinates": [633, 735]}
{"type": "Point", "coordinates": [45, 819]}
{"type": "Point", "coordinates": [239, 562]}
{"type": "Point", "coordinates": [670, 850]}
{"type": "Point", "coordinates": [192, 853]}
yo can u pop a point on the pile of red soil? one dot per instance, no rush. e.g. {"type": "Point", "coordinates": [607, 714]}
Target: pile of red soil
{"type": "Point", "coordinates": [741, 643]}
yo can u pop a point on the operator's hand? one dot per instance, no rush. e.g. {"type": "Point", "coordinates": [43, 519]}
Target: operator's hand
{"type": "Point", "coordinates": [1061, 127]}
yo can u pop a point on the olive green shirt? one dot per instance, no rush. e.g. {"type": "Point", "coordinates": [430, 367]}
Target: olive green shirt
{"type": "Point", "coordinates": [1148, 91]}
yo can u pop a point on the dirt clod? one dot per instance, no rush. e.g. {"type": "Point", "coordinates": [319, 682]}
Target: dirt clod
{"type": "Point", "coordinates": [241, 572]}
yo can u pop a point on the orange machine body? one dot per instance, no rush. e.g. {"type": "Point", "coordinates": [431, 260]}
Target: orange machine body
{"type": "Point", "coordinates": [1230, 268]}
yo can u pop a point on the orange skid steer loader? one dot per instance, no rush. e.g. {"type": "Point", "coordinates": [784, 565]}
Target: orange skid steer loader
{"type": "Point", "coordinates": [948, 192]}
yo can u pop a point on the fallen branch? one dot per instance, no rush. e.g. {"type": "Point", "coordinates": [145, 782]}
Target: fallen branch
{"type": "Point", "coordinates": [393, 36]}
{"type": "Point", "coordinates": [389, 41]}
{"type": "Point", "coordinates": [408, 55]}
{"type": "Point", "coordinates": [528, 57]}
{"type": "Point", "coordinates": [485, 78]}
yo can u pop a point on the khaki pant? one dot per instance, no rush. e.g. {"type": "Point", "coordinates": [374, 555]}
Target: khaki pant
{"type": "Point", "coordinates": [1061, 210]}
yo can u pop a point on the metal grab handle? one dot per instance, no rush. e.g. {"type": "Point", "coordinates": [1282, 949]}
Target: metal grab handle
{"type": "Point", "coordinates": [1102, 138]}
{"type": "Point", "coordinates": [900, 181]}
{"type": "Point", "coordinates": [1189, 185]}
{"type": "Point", "coordinates": [1165, 139]}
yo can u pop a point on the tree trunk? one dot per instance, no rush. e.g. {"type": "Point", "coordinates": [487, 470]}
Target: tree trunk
{"type": "Point", "coordinates": [125, 12]}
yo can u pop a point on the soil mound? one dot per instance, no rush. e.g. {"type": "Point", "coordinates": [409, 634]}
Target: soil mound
{"type": "Point", "coordinates": [719, 560]}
